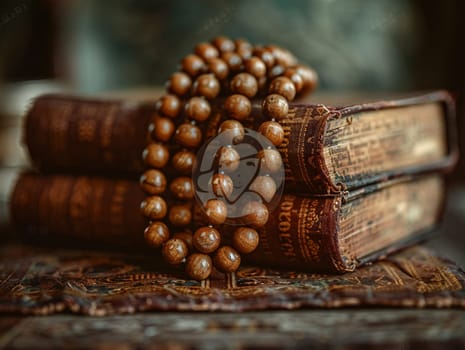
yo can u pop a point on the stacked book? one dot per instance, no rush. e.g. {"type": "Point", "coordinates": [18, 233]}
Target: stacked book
{"type": "Point", "coordinates": [361, 180]}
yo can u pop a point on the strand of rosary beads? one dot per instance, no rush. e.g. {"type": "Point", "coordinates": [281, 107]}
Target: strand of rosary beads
{"type": "Point", "coordinates": [239, 72]}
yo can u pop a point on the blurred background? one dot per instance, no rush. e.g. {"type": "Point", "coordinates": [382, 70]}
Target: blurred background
{"type": "Point", "coordinates": [94, 46]}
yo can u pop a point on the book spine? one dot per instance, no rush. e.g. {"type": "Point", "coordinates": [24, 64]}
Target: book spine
{"type": "Point", "coordinates": [89, 209]}
{"type": "Point", "coordinates": [301, 233]}
{"type": "Point", "coordinates": [63, 133]}
{"type": "Point", "coordinates": [87, 135]}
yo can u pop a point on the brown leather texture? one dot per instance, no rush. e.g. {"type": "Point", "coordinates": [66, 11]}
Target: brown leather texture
{"type": "Point", "coordinates": [302, 233]}
{"type": "Point", "coordinates": [69, 133]}
{"type": "Point", "coordinates": [44, 281]}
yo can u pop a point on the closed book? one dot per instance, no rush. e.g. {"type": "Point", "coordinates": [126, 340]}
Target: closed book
{"type": "Point", "coordinates": [314, 233]}
{"type": "Point", "coordinates": [327, 150]}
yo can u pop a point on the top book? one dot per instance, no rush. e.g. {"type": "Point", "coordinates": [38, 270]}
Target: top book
{"type": "Point", "coordinates": [326, 150]}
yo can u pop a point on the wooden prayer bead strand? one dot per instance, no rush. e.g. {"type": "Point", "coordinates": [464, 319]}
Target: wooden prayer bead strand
{"type": "Point", "coordinates": [227, 259]}
{"type": "Point", "coordinates": [273, 131]}
{"type": "Point", "coordinates": [154, 207]}
{"type": "Point", "coordinates": [223, 44]}
{"type": "Point", "coordinates": [264, 186]}
{"type": "Point", "coordinates": [169, 105]}
{"type": "Point", "coordinates": [234, 129]}
{"type": "Point", "coordinates": [238, 106]}
{"type": "Point", "coordinates": [193, 65]}
{"type": "Point", "coordinates": [244, 84]}
{"type": "Point", "coordinates": [180, 83]}
{"type": "Point", "coordinates": [183, 161]}
{"type": "Point", "coordinates": [161, 129]}
{"type": "Point", "coordinates": [188, 135]}
{"type": "Point", "coordinates": [197, 108]}
{"type": "Point", "coordinates": [153, 181]}
{"type": "Point", "coordinates": [216, 211]}
{"type": "Point", "coordinates": [180, 215]}
{"type": "Point", "coordinates": [156, 155]}
{"type": "Point", "coordinates": [245, 239]}
{"type": "Point", "coordinates": [206, 239]}
{"type": "Point", "coordinates": [199, 266]}
{"type": "Point", "coordinates": [222, 185]}
{"type": "Point", "coordinates": [243, 48]}
{"type": "Point", "coordinates": [175, 251]}
{"type": "Point", "coordinates": [205, 74]}
{"type": "Point", "coordinates": [206, 85]}
{"type": "Point", "coordinates": [283, 86]}
{"type": "Point", "coordinates": [156, 234]}
{"type": "Point", "coordinates": [186, 236]}
{"type": "Point", "coordinates": [206, 51]}
{"type": "Point", "coordinates": [182, 187]}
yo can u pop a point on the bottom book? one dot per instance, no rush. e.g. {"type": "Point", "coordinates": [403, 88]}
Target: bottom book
{"type": "Point", "coordinates": [316, 234]}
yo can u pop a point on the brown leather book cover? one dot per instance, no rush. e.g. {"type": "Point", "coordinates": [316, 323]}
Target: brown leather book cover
{"type": "Point", "coordinates": [332, 234]}
{"type": "Point", "coordinates": [66, 133]}
{"type": "Point", "coordinates": [44, 281]}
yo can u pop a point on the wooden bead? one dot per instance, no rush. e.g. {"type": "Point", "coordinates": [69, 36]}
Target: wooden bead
{"type": "Point", "coordinates": [183, 161]}
{"type": "Point", "coordinates": [255, 214]}
{"type": "Point", "coordinates": [193, 65]}
{"type": "Point", "coordinates": [161, 129]}
{"type": "Point", "coordinates": [310, 78]}
{"type": "Point", "coordinates": [227, 259]}
{"type": "Point", "coordinates": [222, 185]}
{"type": "Point", "coordinates": [198, 108]}
{"type": "Point", "coordinates": [180, 215]}
{"type": "Point", "coordinates": [199, 266]}
{"type": "Point", "coordinates": [234, 129]}
{"type": "Point", "coordinates": [233, 60]}
{"type": "Point", "coordinates": [206, 51]}
{"type": "Point", "coordinates": [270, 160]}
{"type": "Point", "coordinates": [154, 207]}
{"type": "Point", "coordinates": [216, 211]}
{"type": "Point", "coordinates": [255, 66]}
{"type": "Point", "coordinates": [264, 186]}
{"type": "Point", "coordinates": [295, 77]}
{"type": "Point", "coordinates": [238, 106]}
{"type": "Point", "coordinates": [275, 106]}
{"type": "Point", "coordinates": [186, 236]}
{"type": "Point", "coordinates": [174, 251]}
{"type": "Point", "coordinates": [243, 48]}
{"type": "Point", "coordinates": [153, 181]}
{"type": "Point", "coordinates": [223, 44]}
{"type": "Point", "coordinates": [273, 131]}
{"type": "Point", "coordinates": [169, 105]}
{"type": "Point", "coordinates": [244, 84]}
{"type": "Point", "coordinates": [282, 56]}
{"type": "Point", "coordinates": [275, 71]}
{"type": "Point", "coordinates": [180, 83]}
{"type": "Point", "coordinates": [182, 187]}
{"type": "Point", "coordinates": [265, 55]}
{"type": "Point", "coordinates": [206, 85]}
{"type": "Point", "coordinates": [228, 159]}
{"type": "Point", "coordinates": [218, 67]}
{"type": "Point", "coordinates": [283, 86]}
{"type": "Point", "coordinates": [156, 234]}
{"type": "Point", "coordinates": [245, 240]}
{"type": "Point", "coordinates": [156, 155]}
{"type": "Point", "coordinates": [188, 135]}
{"type": "Point", "coordinates": [206, 239]}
